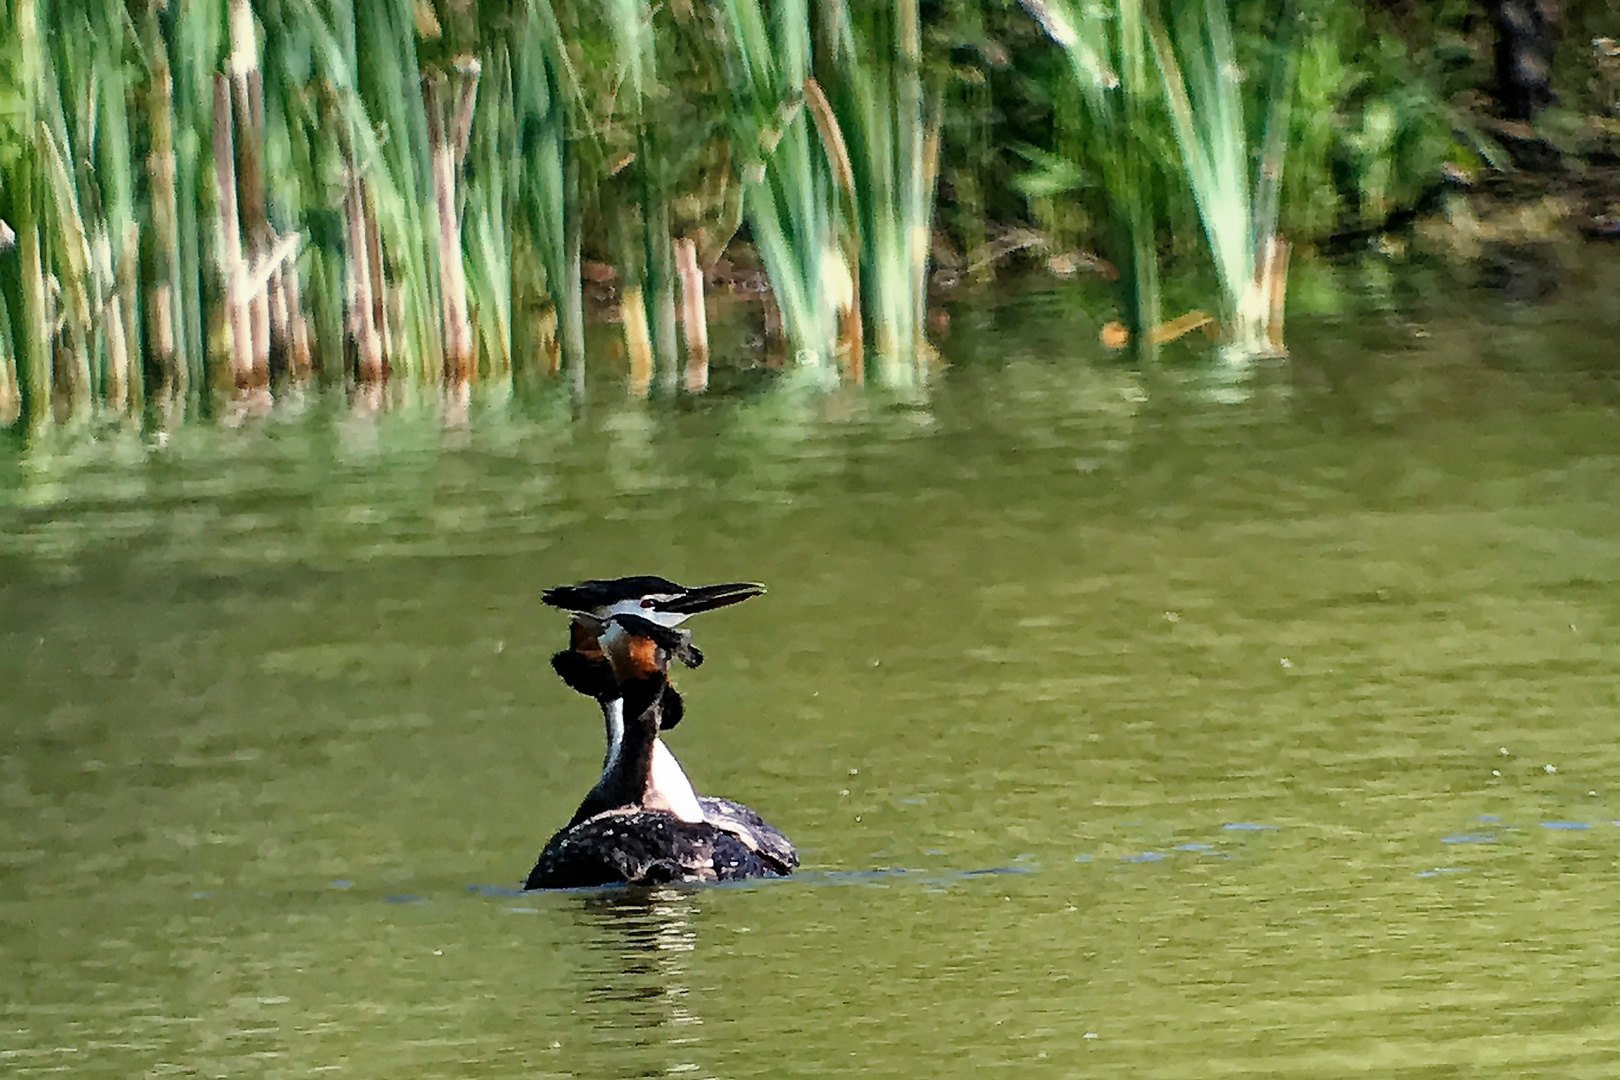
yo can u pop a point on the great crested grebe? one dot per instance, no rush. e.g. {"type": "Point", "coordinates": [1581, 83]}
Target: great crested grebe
{"type": "Point", "coordinates": [584, 668]}
{"type": "Point", "coordinates": [624, 831]}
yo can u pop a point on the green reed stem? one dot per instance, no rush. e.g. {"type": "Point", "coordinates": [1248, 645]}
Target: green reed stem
{"type": "Point", "coordinates": [545, 94]}
{"type": "Point", "coordinates": [790, 199]}
{"type": "Point", "coordinates": [893, 123]}
{"type": "Point", "coordinates": [1107, 52]}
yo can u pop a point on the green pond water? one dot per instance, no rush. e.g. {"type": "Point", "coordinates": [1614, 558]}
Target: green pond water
{"type": "Point", "coordinates": [1185, 726]}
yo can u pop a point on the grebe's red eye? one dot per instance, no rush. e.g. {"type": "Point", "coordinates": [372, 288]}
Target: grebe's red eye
{"type": "Point", "coordinates": [646, 603]}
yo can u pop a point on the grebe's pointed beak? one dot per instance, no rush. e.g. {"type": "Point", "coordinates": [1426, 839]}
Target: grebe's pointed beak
{"type": "Point", "coordinates": [709, 597]}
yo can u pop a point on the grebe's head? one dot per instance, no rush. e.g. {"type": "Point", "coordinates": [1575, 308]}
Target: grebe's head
{"type": "Point", "coordinates": [638, 652]}
{"type": "Point", "coordinates": [638, 648]}
{"type": "Point", "coordinates": [654, 598]}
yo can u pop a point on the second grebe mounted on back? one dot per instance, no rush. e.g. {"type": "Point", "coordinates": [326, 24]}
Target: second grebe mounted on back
{"type": "Point", "coordinates": [642, 822]}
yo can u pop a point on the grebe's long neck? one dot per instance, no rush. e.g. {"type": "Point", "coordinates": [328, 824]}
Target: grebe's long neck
{"type": "Point", "coordinates": [613, 719]}
{"type": "Point", "coordinates": [669, 788]}
{"type": "Point", "coordinates": [647, 764]}
{"type": "Point", "coordinates": [617, 787]}
{"type": "Point", "coordinates": [638, 769]}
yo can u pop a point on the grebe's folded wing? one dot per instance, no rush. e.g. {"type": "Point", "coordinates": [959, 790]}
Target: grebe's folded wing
{"type": "Point", "coordinates": [760, 836]}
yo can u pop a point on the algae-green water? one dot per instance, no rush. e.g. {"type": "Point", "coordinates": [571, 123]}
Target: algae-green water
{"type": "Point", "coordinates": [1203, 723]}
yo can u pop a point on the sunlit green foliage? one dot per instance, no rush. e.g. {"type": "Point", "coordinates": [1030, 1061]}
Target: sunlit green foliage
{"type": "Point", "coordinates": [795, 208]}
{"type": "Point", "coordinates": [1108, 51]}
{"type": "Point", "coordinates": [890, 115]}
{"type": "Point", "coordinates": [218, 194]}
{"type": "Point", "coordinates": [146, 260]}
{"type": "Point", "coordinates": [1234, 171]}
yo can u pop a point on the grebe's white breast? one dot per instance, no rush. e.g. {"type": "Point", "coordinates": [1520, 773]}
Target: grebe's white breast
{"type": "Point", "coordinates": [671, 790]}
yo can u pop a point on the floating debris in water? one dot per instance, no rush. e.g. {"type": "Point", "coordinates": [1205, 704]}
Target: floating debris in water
{"type": "Point", "coordinates": [1549, 769]}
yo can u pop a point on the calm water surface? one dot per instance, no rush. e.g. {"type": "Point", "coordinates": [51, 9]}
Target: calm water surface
{"type": "Point", "coordinates": [1180, 727]}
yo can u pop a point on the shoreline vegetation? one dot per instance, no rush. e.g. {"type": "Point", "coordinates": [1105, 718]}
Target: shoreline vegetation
{"type": "Point", "coordinates": [204, 203]}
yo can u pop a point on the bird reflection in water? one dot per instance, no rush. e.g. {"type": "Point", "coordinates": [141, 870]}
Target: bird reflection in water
{"type": "Point", "coordinates": [642, 940]}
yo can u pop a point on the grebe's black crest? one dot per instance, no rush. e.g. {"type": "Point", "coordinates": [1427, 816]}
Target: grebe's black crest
{"type": "Point", "coordinates": [601, 592]}
{"type": "Point", "coordinates": [641, 823]}
{"type": "Point", "coordinates": [653, 594]}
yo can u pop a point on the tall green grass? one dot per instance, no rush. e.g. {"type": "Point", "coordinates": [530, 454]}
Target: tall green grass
{"type": "Point", "coordinates": [644, 247]}
{"type": "Point", "coordinates": [796, 207]}
{"type": "Point", "coordinates": [838, 139]}
{"type": "Point", "coordinates": [893, 122]}
{"type": "Point", "coordinates": [1108, 51]}
{"type": "Point", "coordinates": [1236, 178]}
{"type": "Point", "coordinates": [1233, 172]}
{"type": "Point", "coordinates": [212, 198]}
{"type": "Point", "coordinates": [545, 101]}
{"type": "Point", "coordinates": [214, 194]}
